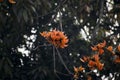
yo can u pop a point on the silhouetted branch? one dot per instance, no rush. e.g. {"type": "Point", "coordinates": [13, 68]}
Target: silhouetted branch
{"type": "Point", "coordinates": [98, 22]}
{"type": "Point", "coordinates": [60, 57]}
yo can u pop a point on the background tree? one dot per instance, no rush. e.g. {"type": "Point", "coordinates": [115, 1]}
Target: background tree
{"type": "Point", "coordinates": [86, 22]}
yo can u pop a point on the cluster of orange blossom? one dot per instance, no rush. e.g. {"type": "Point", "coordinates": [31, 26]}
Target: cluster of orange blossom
{"type": "Point", "coordinates": [77, 70]}
{"type": "Point", "coordinates": [56, 37]}
{"type": "Point", "coordinates": [59, 39]}
{"type": "Point", "coordinates": [116, 56]}
{"type": "Point", "coordinates": [10, 1]}
{"type": "Point", "coordinates": [99, 47]}
{"type": "Point", "coordinates": [93, 62]}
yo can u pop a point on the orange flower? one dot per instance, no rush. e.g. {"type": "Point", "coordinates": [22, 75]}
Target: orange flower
{"type": "Point", "coordinates": [76, 70]}
{"type": "Point", "coordinates": [1, 0]}
{"type": "Point", "coordinates": [101, 45]}
{"type": "Point", "coordinates": [12, 1]}
{"type": "Point", "coordinates": [91, 63]}
{"type": "Point", "coordinates": [117, 60]}
{"type": "Point", "coordinates": [76, 76]}
{"type": "Point", "coordinates": [99, 65]}
{"type": "Point", "coordinates": [89, 77]}
{"type": "Point", "coordinates": [94, 48]}
{"type": "Point", "coordinates": [110, 48]}
{"type": "Point", "coordinates": [44, 34]}
{"type": "Point", "coordinates": [96, 57]}
{"type": "Point", "coordinates": [84, 59]}
{"type": "Point", "coordinates": [118, 48]}
{"type": "Point", "coordinates": [63, 42]}
{"type": "Point", "coordinates": [96, 63]}
{"type": "Point", "coordinates": [101, 51]}
{"type": "Point", "coordinates": [56, 37]}
{"type": "Point", "coordinates": [81, 68]}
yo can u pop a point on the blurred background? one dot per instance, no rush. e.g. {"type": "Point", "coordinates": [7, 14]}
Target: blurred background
{"type": "Point", "coordinates": [25, 55]}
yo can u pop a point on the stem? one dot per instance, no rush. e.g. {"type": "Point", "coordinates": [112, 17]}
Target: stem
{"type": "Point", "coordinates": [60, 21]}
{"type": "Point", "coordinates": [60, 57]}
{"type": "Point", "coordinates": [62, 73]}
{"type": "Point", "coordinates": [99, 19]}
{"type": "Point", "coordinates": [54, 59]}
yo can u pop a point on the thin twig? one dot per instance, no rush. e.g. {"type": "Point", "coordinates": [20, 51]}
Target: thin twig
{"type": "Point", "coordinates": [54, 64]}
{"type": "Point", "coordinates": [41, 46]}
{"type": "Point", "coordinates": [62, 73]}
{"type": "Point", "coordinates": [58, 76]}
{"type": "Point", "coordinates": [60, 20]}
{"type": "Point", "coordinates": [54, 10]}
{"type": "Point", "coordinates": [99, 19]}
{"type": "Point", "coordinates": [63, 61]}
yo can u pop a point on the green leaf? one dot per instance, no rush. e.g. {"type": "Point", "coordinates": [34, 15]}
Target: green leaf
{"type": "Point", "coordinates": [9, 62]}
{"type": "Point", "coordinates": [25, 16]}
{"type": "Point", "coordinates": [33, 9]}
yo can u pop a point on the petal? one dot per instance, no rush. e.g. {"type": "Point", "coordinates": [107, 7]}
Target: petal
{"type": "Point", "coordinates": [76, 69]}
{"type": "Point", "coordinates": [96, 57]}
{"type": "Point", "coordinates": [118, 48]}
{"type": "Point", "coordinates": [12, 1]}
{"type": "Point", "coordinates": [117, 60]}
{"type": "Point", "coordinates": [101, 51]}
{"type": "Point", "coordinates": [91, 63]}
{"type": "Point", "coordinates": [110, 48]}
{"type": "Point", "coordinates": [81, 68]}
{"type": "Point", "coordinates": [94, 48]}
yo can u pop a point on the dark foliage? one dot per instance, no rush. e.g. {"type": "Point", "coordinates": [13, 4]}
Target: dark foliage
{"type": "Point", "coordinates": [75, 16]}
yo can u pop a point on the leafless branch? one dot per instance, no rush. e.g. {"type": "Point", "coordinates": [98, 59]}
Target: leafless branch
{"type": "Point", "coordinates": [99, 19]}
{"type": "Point", "coordinates": [61, 59]}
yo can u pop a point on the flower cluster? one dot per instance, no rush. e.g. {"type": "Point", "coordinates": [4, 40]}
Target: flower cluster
{"type": "Point", "coordinates": [77, 70]}
{"type": "Point", "coordinates": [56, 37]}
{"type": "Point", "coordinates": [116, 56]}
{"type": "Point", "coordinates": [95, 61]}
{"type": "Point", "coordinates": [117, 59]}
{"type": "Point", "coordinates": [99, 47]}
{"type": "Point", "coordinates": [92, 62]}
